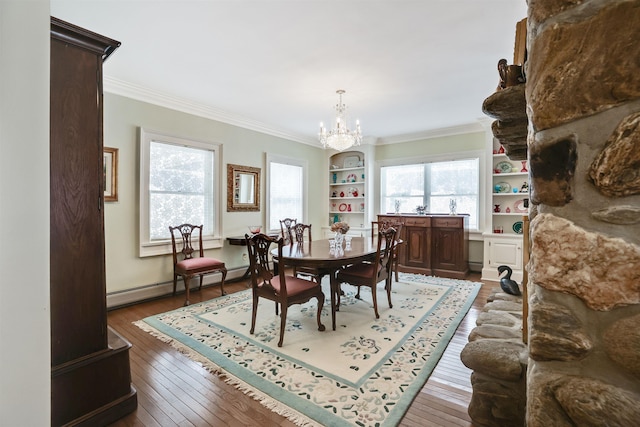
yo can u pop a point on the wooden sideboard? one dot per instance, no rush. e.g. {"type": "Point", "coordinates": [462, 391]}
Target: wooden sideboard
{"type": "Point", "coordinates": [435, 245]}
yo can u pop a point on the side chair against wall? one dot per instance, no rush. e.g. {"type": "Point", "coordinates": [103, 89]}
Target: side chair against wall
{"type": "Point", "coordinates": [383, 225]}
{"type": "Point", "coordinates": [285, 228]}
{"type": "Point", "coordinates": [186, 264]}
{"type": "Point", "coordinates": [371, 273]}
{"type": "Point", "coordinates": [284, 290]}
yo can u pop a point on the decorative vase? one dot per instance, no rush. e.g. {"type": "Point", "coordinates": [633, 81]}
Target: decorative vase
{"type": "Point", "coordinates": [497, 208]}
{"type": "Point", "coordinates": [339, 238]}
{"type": "Point", "coordinates": [524, 166]}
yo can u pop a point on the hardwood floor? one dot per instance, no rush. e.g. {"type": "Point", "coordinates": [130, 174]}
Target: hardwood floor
{"type": "Point", "coordinates": [175, 391]}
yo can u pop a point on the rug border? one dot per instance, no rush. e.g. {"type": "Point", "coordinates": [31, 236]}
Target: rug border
{"type": "Point", "coordinates": [197, 352]}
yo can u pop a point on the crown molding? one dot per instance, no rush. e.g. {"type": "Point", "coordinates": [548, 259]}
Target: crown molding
{"type": "Point", "coordinates": [119, 87]}
{"type": "Point", "coordinates": [122, 88]}
{"type": "Point", "coordinates": [433, 133]}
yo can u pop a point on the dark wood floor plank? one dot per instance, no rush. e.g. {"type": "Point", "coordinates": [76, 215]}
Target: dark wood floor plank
{"type": "Point", "coordinates": [174, 390]}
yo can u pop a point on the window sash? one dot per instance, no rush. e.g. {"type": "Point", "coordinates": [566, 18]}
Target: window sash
{"type": "Point", "coordinates": [179, 183]}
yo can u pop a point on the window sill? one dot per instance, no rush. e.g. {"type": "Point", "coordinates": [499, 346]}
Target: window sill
{"type": "Point", "coordinates": [164, 247]}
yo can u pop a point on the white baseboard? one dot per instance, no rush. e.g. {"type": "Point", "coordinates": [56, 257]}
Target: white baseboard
{"type": "Point", "coordinates": [142, 293]}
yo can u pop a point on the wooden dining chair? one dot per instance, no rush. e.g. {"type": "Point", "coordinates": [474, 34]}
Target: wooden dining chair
{"type": "Point", "coordinates": [187, 265]}
{"type": "Point", "coordinates": [383, 225]}
{"type": "Point", "coordinates": [284, 290]}
{"type": "Point", "coordinates": [298, 233]}
{"type": "Point", "coordinates": [285, 228]}
{"type": "Point", "coordinates": [371, 273]}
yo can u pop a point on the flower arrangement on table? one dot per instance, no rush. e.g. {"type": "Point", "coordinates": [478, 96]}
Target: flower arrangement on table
{"type": "Point", "coordinates": [340, 227]}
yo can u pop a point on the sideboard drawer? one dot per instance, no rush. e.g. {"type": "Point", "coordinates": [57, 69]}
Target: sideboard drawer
{"type": "Point", "coordinates": [417, 222]}
{"type": "Point", "coordinates": [447, 222]}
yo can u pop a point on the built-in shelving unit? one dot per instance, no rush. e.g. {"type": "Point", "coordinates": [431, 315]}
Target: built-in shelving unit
{"type": "Point", "coordinates": [348, 190]}
{"type": "Point", "coordinates": [509, 204]}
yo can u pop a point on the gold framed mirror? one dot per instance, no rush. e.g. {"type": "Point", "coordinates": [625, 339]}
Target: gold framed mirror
{"type": "Point", "coordinates": [243, 188]}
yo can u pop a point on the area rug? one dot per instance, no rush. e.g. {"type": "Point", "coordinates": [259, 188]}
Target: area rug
{"type": "Point", "coordinates": [365, 373]}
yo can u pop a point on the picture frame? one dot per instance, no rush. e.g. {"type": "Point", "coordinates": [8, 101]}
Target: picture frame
{"type": "Point", "coordinates": [110, 173]}
{"type": "Point", "coordinates": [243, 188]}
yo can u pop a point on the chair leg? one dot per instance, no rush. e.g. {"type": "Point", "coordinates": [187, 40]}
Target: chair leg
{"type": "Point", "coordinates": [395, 268]}
{"type": "Point", "coordinates": [175, 283]}
{"type": "Point", "coordinates": [374, 297]}
{"type": "Point", "coordinates": [320, 305]}
{"type": "Point", "coordinates": [358, 293]}
{"type": "Point", "coordinates": [186, 280]}
{"type": "Point", "coordinates": [224, 276]}
{"type": "Point", "coordinates": [388, 288]}
{"type": "Point", "coordinates": [283, 324]}
{"type": "Point", "coordinates": [201, 280]}
{"type": "Point", "coordinates": [254, 313]}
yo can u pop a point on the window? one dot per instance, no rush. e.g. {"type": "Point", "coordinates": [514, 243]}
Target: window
{"type": "Point", "coordinates": [286, 198]}
{"type": "Point", "coordinates": [432, 184]}
{"type": "Point", "coordinates": [179, 182]}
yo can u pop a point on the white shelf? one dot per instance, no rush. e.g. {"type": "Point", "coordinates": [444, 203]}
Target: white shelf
{"type": "Point", "coordinates": [511, 194]}
{"type": "Point", "coordinates": [495, 175]}
{"type": "Point", "coordinates": [509, 213]}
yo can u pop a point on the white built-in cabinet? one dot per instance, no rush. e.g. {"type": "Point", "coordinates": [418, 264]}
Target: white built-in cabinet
{"type": "Point", "coordinates": [509, 204]}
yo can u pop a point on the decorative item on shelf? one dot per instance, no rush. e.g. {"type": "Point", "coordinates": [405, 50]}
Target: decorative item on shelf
{"type": "Point", "coordinates": [340, 137]}
{"type": "Point", "coordinates": [335, 167]}
{"type": "Point", "coordinates": [504, 167]}
{"type": "Point", "coordinates": [255, 229]}
{"type": "Point", "coordinates": [508, 210]}
{"type": "Point", "coordinates": [515, 190]}
{"type": "Point", "coordinates": [498, 229]}
{"type": "Point", "coordinates": [524, 166]}
{"type": "Point", "coordinates": [421, 209]}
{"type": "Point", "coordinates": [502, 187]}
{"type": "Point", "coordinates": [501, 150]}
{"type": "Point", "coordinates": [517, 227]}
{"type": "Point", "coordinates": [342, 194]}
{"type": "Point", "coordinates": [334, 177]}
{"type": "Point", "coordinates": [361, 207]}
{"type": "Point", "coordinates": [342, 207]}
{"type": "Point", "coordinates": [496, 208]}
{"type": "Point", "coordinates": [351, 162]}
{"type": "Point", "coordinates": [520, 207]}
{"type": "Point", "coordinates": [333, 206]}
{"type": "Point", "coordinates": [525, 187]}
{"type": "Point", "coordinates": [334, 194]}
{"type": "Point", "coordinates": [353, 192]}
{"type": "Point", "coordinates": [349, 207]}
{"type": "Point", "coordinates": [361, 164]}
{"type": "Point", "coordinates": [352, 177]}
{"type": "Point", "coordinates": [452, 206]}
{"type": "Point", "coordinates": [336, 218]}
{"type": "Point", "coordinates": [397, 206]}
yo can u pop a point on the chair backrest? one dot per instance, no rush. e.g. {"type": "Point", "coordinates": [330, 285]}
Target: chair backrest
{"type": "Point", "coordinates": [377, 226]}
{"type": "Point", "coordinates": [186, 234]}
{"type": "Point", "coordinates": [285, 228]}
{"type": "Point", "coordinates": [258, 246]}
{"type": "Point", "coordinates": [384, 255]}
{"type": "Point", "coordinates": [298, 232]}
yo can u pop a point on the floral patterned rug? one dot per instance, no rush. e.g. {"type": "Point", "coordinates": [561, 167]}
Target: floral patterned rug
{"type": "Point", "coordinates": [365, 373]}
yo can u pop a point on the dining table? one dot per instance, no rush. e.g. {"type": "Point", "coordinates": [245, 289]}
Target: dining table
{"type": "Point", "coordinates": [318, 255]}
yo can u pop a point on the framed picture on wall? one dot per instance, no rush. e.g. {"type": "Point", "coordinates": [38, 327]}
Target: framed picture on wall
{"type": "Point", "coordinates": [110, 173]}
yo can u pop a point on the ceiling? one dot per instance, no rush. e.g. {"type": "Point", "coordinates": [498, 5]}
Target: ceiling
{"type": "Point", "coordinates": [410, 69]}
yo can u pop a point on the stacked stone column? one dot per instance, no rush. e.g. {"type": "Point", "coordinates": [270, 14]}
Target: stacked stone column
{"type": "Point", "coordinates": [583, 106]}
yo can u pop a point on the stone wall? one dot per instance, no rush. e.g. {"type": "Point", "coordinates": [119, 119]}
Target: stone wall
{"type": "Point", "coordinates": [583, 106]}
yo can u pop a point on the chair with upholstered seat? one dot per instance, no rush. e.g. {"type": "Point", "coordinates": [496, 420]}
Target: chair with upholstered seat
{"type": "Point", "coordinates": [371, 273]}
{"type": "Point", "coordinates": [383, 225]}
{"type": "Point", "coordinates": [283, 289]}
{"type": "Point", "coordinates": [285, 228]}
{"type": "Point", "coordinates": [189, 266]}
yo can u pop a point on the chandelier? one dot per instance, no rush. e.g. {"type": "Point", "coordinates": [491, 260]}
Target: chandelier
{"type": "Point", "coordinates": [340, 137]}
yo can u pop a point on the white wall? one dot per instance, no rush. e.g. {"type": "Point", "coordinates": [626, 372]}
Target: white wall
{"type": "Point", "coordinates": [25, 348]}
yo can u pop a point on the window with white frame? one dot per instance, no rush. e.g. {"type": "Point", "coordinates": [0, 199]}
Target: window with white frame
{"type": "Point", "coordinates": [179, 183]}
{"type": "Point", "coordinates": [433, 183]}
{"type": "Point", "coordinates": [287, 182]}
